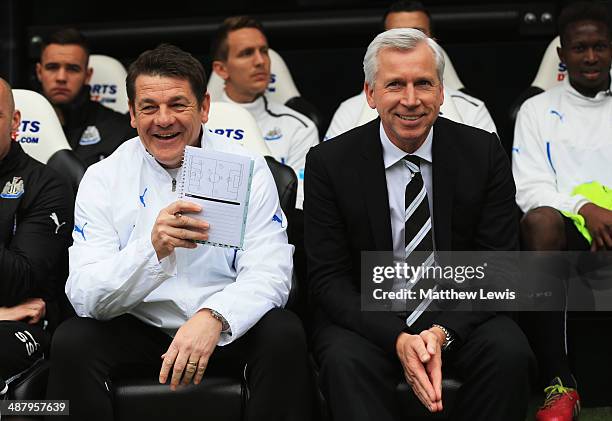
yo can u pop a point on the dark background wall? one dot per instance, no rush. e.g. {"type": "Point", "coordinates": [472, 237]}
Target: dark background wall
{"type": "Point", "coordinates": [496, 48]}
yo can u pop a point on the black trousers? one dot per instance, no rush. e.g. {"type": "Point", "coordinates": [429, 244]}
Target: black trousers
{"type": "Point", "coordinates": [359, 379]}
{"type": "Point", "coordinates": [546, 330]}
{"type": "Point", "coordinates": [86, 354]}
{"type": "Point", "coordinates": [21, 344]}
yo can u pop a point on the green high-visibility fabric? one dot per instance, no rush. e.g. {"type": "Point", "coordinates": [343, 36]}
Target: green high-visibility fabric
{"type": "Point", "coordinates": [597, 194]}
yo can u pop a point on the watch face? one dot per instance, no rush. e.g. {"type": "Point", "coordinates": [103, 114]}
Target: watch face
{"type": "Point", "coordinates": [448, 343]}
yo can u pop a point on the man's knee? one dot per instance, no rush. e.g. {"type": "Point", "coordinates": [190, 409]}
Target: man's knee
{"type": "Point", "coordinates": [281, 333]}
{"type": "Point", "coordinates": [543, 229]}
{"type": "Point", "coordinates": [75, 339]}
{"type": "Point", "coordinates": [344, 357]}
{"type": "Point", "coordinates": [509, 354]}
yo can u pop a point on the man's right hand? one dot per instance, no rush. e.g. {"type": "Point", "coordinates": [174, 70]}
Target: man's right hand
{"type": "Point", "coordinates": [32, 309]}
{"type": "Point", "coordinates": [420, 356]}
{"type": "Point", "coordinates": [599, 223]}
{"type": "Point", "coordinates": [174, 229]}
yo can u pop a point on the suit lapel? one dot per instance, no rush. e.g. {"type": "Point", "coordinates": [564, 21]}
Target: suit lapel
{"type": "Point", "coordinates": [444, 169]}
{"type": "Point", "coordinates": [372, 178]}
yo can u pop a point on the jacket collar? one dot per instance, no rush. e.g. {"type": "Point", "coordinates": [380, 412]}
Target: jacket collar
{"type": "Point", "coordinates": [257, 108]}
{"type": "Point", "coordinates": [373, 180]}
{"type": "Point", "coordinates": [75, 113]}
{"type": "Point", "coordinates": [444, 169]}
{"type": "Point", "coordinates": [12, 159]}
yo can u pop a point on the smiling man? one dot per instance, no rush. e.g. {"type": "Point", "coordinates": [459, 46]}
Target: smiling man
{"type": "Point", "coordinates": [561, 163]}
{"type": "Point", "coordinates": [92, 130]}
{"type": "Point", "coordinates": [240, 53]}
{"type": "Point", "coordinates": [389, 186]}
{"type": "Point", "coordinates": [413, 14]}
{"type": "Point", "coordinates": [147, 294]}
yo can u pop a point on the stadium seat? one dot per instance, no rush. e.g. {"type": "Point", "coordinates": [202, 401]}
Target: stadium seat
{"type": "Point", "coordinates": [451, 78]}
{"type": "Point", "coordinates": [41, 136]}
{"type": "Point", "coordinates": [550, 74]}
{"type": "Point", "coordinates": [236, 123]}
{"type": "Point", "coordinates": [107, 84]}
{"type": "Point", "coordinates": [281, 89]}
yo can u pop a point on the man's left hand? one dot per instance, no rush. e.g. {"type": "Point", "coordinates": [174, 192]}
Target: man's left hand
{"type": "Point", "coordinates": [188, 354]}
{"type": "Point", "coordinates": [598, 221]}
{"type": "Point", "coordinates": [420, 359]}
{"type": "Point", "coordinates": [434, 338]}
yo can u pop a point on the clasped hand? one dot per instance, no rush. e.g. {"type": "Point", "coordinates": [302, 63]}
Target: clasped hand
{"type": "Point", "coordinates": [421, 358]}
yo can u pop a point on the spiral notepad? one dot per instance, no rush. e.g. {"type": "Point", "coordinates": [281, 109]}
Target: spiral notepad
{"type": "Point", "coordinates": [220, 182]}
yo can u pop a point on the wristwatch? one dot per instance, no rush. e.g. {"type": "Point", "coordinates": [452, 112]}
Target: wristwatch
{"type": "Point", "coordinates": [225, 327]}
{"type": "Point", "coordinates": [448, 337]}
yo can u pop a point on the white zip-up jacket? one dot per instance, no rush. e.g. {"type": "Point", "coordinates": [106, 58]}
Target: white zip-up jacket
{"type": "Point", "coordinates": [561, 139]}
{"type": "Point", "coordinates": [288, 134]}
{"type": "Point", "coordinates": [114, 268]}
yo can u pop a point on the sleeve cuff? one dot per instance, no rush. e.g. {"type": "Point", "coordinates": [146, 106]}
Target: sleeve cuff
{"type": "Point", "coordinates": [580, 204]}
{"type": "Point", "coordinates": [215, 304]}
{"type": "Point", "coordinates": [168, 264]}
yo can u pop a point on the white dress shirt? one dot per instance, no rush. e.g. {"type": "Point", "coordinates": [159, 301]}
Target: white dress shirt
{"type": "Point", "coordinates": [398, 176]}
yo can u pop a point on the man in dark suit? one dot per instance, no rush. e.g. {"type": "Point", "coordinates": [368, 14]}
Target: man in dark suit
{"type": "Point", "coordinates": [389, 186]}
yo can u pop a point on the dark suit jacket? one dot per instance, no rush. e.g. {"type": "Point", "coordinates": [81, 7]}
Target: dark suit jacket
{"type": "Point", "coordinates": [346, 211]}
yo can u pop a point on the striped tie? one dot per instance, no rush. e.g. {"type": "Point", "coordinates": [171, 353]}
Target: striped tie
{"type": "Point", "coordinates": [417, 231]}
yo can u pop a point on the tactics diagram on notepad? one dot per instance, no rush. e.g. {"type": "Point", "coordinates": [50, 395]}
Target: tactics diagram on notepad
{"type": "Point", "coordinates": [214, 177]}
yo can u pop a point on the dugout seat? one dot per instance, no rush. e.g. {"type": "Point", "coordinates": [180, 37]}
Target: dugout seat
{"type": "Point", "coordinates": [451, 78]}
{"type": "Point", "coordinates": [238, 124]}
{"type": "Point", "coordinates": [107, 84]}
{"type": "Point", "coordinates": [41, 136]}
{"type": "Point", "coordinates": [550, 74]}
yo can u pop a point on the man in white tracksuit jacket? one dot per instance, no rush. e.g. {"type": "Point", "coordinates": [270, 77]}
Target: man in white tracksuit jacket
{"type": "Point", "coordinates": [145, 293]}
{"type": "Point", "coordinates": [240, 53]}
{"type": "Point", "coordinates": [562, 150]}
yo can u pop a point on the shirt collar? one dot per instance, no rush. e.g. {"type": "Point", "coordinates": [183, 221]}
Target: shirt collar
{"type": "Point", "coordinates": [392, 154]}
{"type": "Point", "coordinates": [256, 107]}
{"type": "Point", "coordinates": [601, 96]}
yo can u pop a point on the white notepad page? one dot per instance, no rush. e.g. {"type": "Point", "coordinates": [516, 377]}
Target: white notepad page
{"type": "Point", "coordinates": [221, 183]}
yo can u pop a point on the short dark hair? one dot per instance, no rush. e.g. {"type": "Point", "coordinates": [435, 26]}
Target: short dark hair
{"type": "Point", "coordinates": [66, 36]}
{"type": "Point", "coordinates": [407, 6]}
{"type": "Point", "coordinates": [167, 60]}
{"type": "Point", "coordinates": [218, 45]}
{"type": "Point", "coordinates": [581, 11]}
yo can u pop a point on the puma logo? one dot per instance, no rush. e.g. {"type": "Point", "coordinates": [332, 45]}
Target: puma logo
{"type": "Point", "coordinates": [142, 197]}
{"type": "Point", "coordinates": [81, 230]}
{"type": "Point", "coordinates": [55, 219]}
